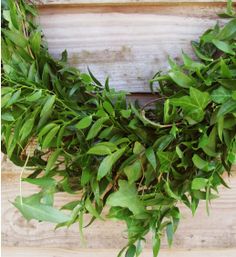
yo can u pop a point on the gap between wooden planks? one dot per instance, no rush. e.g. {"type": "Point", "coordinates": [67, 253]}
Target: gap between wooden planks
{"type": "Point", "coordinates": [58, 252]}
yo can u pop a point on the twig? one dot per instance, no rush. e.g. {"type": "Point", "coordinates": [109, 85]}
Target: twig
{"type": "Point", "coordinates": [153, 101]}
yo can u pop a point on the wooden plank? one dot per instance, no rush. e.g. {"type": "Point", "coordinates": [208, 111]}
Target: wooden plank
{"type": "Point", "coordinates": [55, 252]}
{"type": "Point", "coordinates": [122, 1]}
{"type": "Point", "coordinates": [215, 231]}
{"type": "Point", "coordinates": [127, 43]}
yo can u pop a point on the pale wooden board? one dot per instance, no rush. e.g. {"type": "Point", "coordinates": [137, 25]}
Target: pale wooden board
{"type": "Point", "coordinates": [55, 252]}
{"type": "Point", "coordinates": [216, 231]}
{"type": "Point", "coordinates": [120, 31]}
{"type": "Point", "coordinates": [127, 43]}
{"type": "Point", "coordinates": [122, 1]}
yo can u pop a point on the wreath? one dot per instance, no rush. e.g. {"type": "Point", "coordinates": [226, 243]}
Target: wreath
{"type": "Point", "coordinates": [81, 137]}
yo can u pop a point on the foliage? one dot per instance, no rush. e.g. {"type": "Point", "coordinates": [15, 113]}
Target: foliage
{"type": "Point", "coordinates": [91, 142]}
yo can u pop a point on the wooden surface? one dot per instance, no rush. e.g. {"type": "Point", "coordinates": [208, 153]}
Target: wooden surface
{"type": "Point", "coordinates": [215, 231]}
{"type": "Point", "coordinates": [127, 43]}
{"type": "Point", "coordinates": [122, 1]}
{"type": "Point", "coordinates": [51, 252]}
{"type": "Point", "coordinates": [129, 40]}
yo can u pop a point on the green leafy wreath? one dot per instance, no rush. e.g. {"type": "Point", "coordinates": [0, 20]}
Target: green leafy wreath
{"type": "Point", "coordinates": [140, 161]}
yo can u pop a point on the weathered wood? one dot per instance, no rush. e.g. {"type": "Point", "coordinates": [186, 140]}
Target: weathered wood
{"type": "Point", "coordinates": [215, 231]}
{"type": "Point", "coordinates": [122, 1]}
{"type": "Point", "coordinates": [127, 43]}
{"type": "Point", "coordinates": [55, 252]}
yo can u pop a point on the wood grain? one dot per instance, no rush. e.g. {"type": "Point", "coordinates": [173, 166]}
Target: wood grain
{"type": "Point", "coordinates": [127, 43]}
{"type": "Point", "coordinates": [55, 252]}
{"type": "Point", "coordinates": [215, 231]}
{"type": "Point", "coordinates": [121, 1]}
{"type": "Point", "coordinates": [129, 40]}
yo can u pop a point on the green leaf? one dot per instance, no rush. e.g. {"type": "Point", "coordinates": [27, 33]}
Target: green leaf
{"type": "Point", "coordinates": [26, 128]}
{"type": "Point", "coordinates": [36, 42]}
{"type": "Point", "coordinates": [45, 130]}
{"type": "Point", "coordinates": [95, 129]}
{"type": "Point", "coordinates": [223, 46]}
{"type": "Point", "coordinates": [227, 107]}
{"type": "Point", "coordinates": [13, 14]}
{"type": "Point", "coordinates": [109, 109]}
{"type": "Point", "coordinates": [194, 104]}
{"type": "Point", "coordinates": [48, 105]}
{"type": "Point", "coordinates": [44, 182]}
{"type": "Point", "coordinates": [97, 82]}
{"type": "Point", "coordinates": [189, 63]}
{"type": "Point", "coordinates": [133, 171]}
{"type": "Point", "coordinates": [208, 143]}
{"type": "Point", "coordinates": [199, 53]}
{"type": "Point", "coordinates": [106, 132]}
{"type": "Point", "coordinates": [179, 152]}
{"type": "Point", "coordinates": [17, 38]}
{"type": "Point", "coordinates": [220, 95]}
{"type": "Point", "coordinates": [108, 162]}
{"type": "Point", "coordinates": [224, 69]}
{"type": "Point", "coordinates": [156, 244]}
{"type": "Point", "coordinates": [126, 197]}
{"type": "Point", "coordinates": [202, 164]}
{"type": "Point", "coordinates": [182, 79]}
{"type": "Point", "coordinates": [91, 209]}
{"type": "Point", "coordinates": [199, 183]}
{"type": "Point", "coordinates": [32, 209]}
{"type": "Point", "coordinates": [138, 148]}
{"type": "Point", "coordinates": [220, 127]}
{"type": "Point", "coordinates": [170, 233]}
{"type": "Point", "coordinates": [50, 136]}
{"type": "Point", "coordinates": [35, 96]}
{"type": "Point", "coordinates": [201, 99]}
{"type": "Point", "coordinates": [99, 150]}
{"type": "Point", "coordinates": [86, 176]}
{"type": "Point", "coordinates": [228, 83]}
{"type": "Point", "coordinates": [151, 157]}
{"type": "Point", "coordinates": [229, 31]}
{"type": "Point", "coordinates": [131, 251]}
{"type": "Point", "coordinates": [166, 159]}
{"type": "Point", "coordinates": [51, 160]}
{"type": "Point", "coordinates": [170, 192]}
{"type": "Point", "coordinates": [162, 142]}
{"type": "Point", "coordinates": [71, 205]}
{"type": "Point", "coordinates": [84, 123]}
{"type": "Point", "coordinates": [86, 78]}
{"type": "Point", "coordinates": [125, 113]}
{"type": "Point", "coordinates": [14, 98]}
{"type": "Point", "coordinates": [46, 75]}
{"type": "Point", "coordinates": [7, 116]}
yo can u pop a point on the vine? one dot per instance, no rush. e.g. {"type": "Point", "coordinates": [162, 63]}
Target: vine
{"type": "Point", "coordinates": [137, 161]}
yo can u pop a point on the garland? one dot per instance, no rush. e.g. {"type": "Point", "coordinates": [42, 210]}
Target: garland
{"type": "Point", "coordinates": [91, 142]}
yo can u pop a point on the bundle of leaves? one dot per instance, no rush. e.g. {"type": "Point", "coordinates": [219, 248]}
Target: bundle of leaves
{"type": "Point", "coordinates": [89, 141]}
